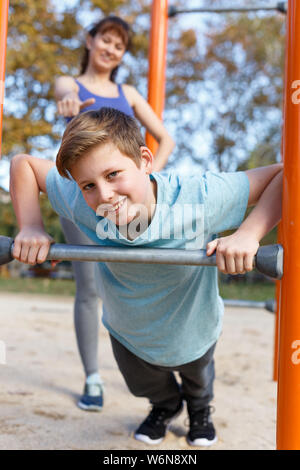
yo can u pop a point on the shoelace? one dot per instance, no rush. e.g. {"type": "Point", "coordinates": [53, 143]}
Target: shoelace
{"type": "Point", "coordinates": [200, 415]}
{"type": "Point", "coordinates": [157, 415]}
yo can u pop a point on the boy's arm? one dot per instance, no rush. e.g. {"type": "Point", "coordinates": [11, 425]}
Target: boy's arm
{"type": "Point", "coordinates": [27, 179]}
{"type": "Point", "coordinates": [235, 253]}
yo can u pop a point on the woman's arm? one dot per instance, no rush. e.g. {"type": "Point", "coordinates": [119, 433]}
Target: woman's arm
{"type": "Point", "coordinates": [27, 179]}
{"type": "Point", "coordinates": [235, 253]}
{"type": "Point", "coordinates": [68, 101]}
{"type": "Point", "coordinates": [153, 124]}
{"type": "Point", "coordinates": [63, 86]}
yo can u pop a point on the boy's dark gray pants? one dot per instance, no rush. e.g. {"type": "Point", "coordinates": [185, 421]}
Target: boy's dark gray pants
{"type": "Point", "coordinates": [158, 383]}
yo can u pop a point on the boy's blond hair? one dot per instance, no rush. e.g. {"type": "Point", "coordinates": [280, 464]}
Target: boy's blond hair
{"type": "Point", "coordinates": [92, 128]}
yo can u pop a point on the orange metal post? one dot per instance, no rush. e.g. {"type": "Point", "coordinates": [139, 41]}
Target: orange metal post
{"type": "Point", "coordinates": [279, 236]}
{"type": "Point", "coordinates": [157, 62]}
{"type": "Point", "coordinates": [3, 35]}
{"type": "Point", "coordinates": [288, 409]}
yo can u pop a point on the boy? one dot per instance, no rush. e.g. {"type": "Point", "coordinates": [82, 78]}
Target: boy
{"type": "Point", "coordinates": [161, 318]}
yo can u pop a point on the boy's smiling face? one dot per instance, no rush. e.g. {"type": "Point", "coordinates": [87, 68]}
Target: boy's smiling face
{"type": "Point", "coordinates": [113, 186]}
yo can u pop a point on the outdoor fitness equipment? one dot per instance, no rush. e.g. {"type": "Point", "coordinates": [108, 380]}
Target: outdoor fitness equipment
{"type": "Point", "coordinates": [279, 6]}
{"type": "Point", "coordinates": [268, 260]}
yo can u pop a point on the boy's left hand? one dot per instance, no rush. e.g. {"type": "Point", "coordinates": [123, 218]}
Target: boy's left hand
{"type": "Point", "coordinates": [235, 253]}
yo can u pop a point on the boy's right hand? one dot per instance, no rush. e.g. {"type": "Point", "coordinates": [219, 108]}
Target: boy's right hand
{"type": "Point", "coordinates": [32, 245]}
{"type": "Point", "coordinates": [71, 105]}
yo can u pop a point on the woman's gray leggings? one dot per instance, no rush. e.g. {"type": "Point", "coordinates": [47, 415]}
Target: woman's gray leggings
{"type": "Point", "coordinates": [86, 301]}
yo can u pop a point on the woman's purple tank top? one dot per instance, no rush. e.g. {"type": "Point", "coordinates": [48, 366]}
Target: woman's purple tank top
{"type": "Point", "coordinates": [119, 103]}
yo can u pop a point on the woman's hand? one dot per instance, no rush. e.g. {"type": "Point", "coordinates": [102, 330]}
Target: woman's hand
{"type": "Point", "coordinates": [32, 245]}
{"type": "Point", "coordinates": [70, 105]}
{"type": "Point", "coordinates": [235, 253]}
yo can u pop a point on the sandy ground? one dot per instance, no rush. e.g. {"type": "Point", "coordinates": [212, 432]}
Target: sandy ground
{"type": "Point", "coordinates": [42, 379]}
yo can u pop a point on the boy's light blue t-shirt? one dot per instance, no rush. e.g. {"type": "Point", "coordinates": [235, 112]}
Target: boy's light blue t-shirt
{"type": "Point", "coordinates": [167, 315]}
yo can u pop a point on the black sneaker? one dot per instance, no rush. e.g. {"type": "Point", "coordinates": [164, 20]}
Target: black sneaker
{"type": "Point", "coordinates": [153, 429]}
{"type": "Point", "coordinates": [202, 431]}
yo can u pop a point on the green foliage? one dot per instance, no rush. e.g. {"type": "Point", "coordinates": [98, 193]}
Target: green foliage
{"type": "Point", "coordinates": [7, 218]}
{"type": "Point", "coordinates": [42, 44]}
{"type": "Point", "coordinates": [245, 60]}
{"type": "Point", "coordinates": [44, 286]}
{"type": "Point", "coordinates": [64, 287]}
{"type": "Point", "coordinates": [258, 292]}
{"type": "Point", "coordinates": [39, 45]}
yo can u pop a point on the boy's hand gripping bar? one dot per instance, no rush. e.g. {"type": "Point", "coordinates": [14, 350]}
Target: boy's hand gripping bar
{"type": "Point", "coordinates": [268, 259]}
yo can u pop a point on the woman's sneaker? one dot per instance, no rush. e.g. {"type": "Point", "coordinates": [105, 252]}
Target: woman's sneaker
{"type": "Point", "coordinates": [153, 430]}
{"type": "Point", "coordinates": [202, 431]}
{"type": "Point", "coordinates": [92, 398]}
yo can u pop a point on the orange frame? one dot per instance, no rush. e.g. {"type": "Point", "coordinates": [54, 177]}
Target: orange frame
{"type": "Point", "coordinates": [157, 62]}
{"type": "Point", "coordinates": [288, 297]}
{"type": "Point", "coordinates": [288, 405]}
{"type": "Point", "coordinates": [4, 4]}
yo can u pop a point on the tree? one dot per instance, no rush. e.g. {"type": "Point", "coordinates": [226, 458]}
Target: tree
{"type": "Point", "coordinates": [224, 77]}
{"type": "Point", "coordinates": [44, 42]}
{"type": "Point", "coordinates": [39, 42]}
{"type": "Point", "coordinates": [246, 61]}
{"type": "Point", "coordinates": [236, 79]}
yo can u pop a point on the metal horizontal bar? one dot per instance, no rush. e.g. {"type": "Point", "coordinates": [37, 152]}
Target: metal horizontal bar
{"type": "Point", "coordinates": [268, 259]}
{"type": "Point", "coordinates": [243, 303]}
{"type": "Point", "coordinates": [280, 7]}
{"type": "Point", "coordinates": [130, 255]}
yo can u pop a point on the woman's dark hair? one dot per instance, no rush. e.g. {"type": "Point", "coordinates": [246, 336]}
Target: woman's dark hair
{"type": "Point", "coordinates": [109, 23]}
